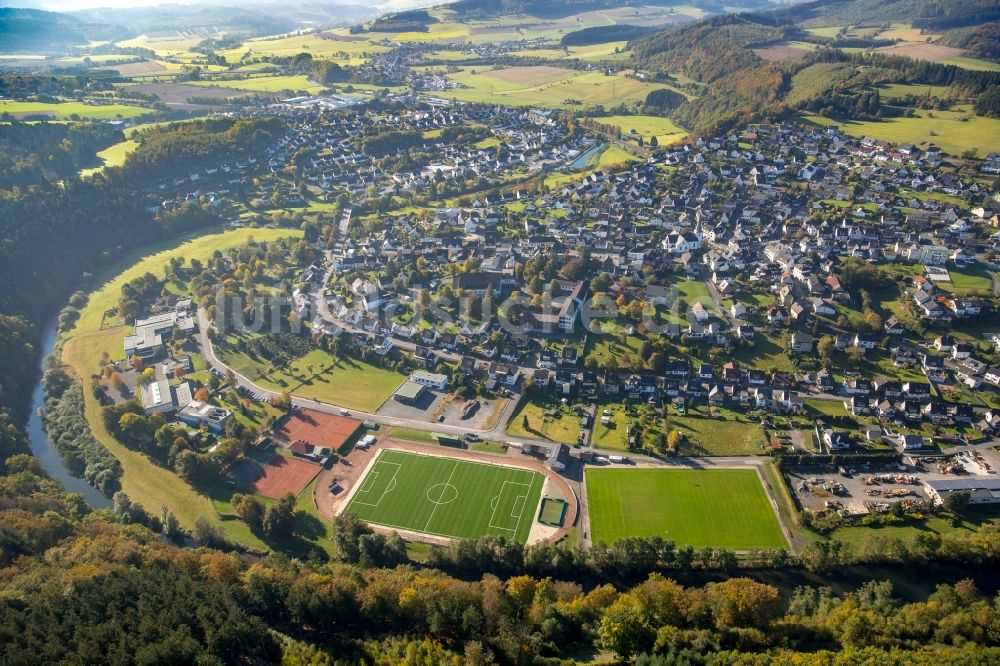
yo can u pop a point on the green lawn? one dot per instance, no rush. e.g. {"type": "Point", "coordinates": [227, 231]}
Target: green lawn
{"type": "Point", "coordinates": [347, 382]}
{"type": "Point", "coordinates": [112, 156]}
{"type": "Point", "coordinates": [533, 420]}
{"type": "Point", "coordinates": [717, 507]}
{"type": "Point", "coordinates": [447, 497]}
{"type": "Point", "coordinates": [647, 127]}
{"type": "Point", "coordinates": [709, 434]}
{"type": "Point", "coordinates": [413, 435]}
{"type": "Point", "coordinates": [612, 435]}
{"type": "Point", "coordinates": [64, 110]}
{"type": "Point", "coordinates": [974, 280]}
{"type": "Point", "coordinates": [955, 131]}
{"type": "Point", "coordinates": [826, 407]}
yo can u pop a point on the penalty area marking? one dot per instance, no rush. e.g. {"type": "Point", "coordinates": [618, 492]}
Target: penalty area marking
{"type": "Point", "coordinates": [522, 499]}
{"type": "Point", "coordinates": [374, 475]}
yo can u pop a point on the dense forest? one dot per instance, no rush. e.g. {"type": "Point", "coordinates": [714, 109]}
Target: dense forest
{"type": "Point", "coordinates": [198, 144]}
{"type": "Point", "coordinates": [36, 152]}
{"type": "Point", "coordinates": [80, 587]}
{"type": "Point", "coordinates": [605, 33]}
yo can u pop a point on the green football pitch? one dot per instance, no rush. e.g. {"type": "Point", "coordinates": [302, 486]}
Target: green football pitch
{"type": "Point", "coordinates": [722, 508]}
{"type": "Point", "coordinates": [447, 497]}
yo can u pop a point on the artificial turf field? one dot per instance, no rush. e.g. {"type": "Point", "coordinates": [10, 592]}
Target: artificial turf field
{"type": "Point", "coordinates": [447, 497]}
{"type": "Point", "coordinates": [723, 508]}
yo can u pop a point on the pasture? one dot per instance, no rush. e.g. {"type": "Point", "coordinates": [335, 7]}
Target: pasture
{"type": "Point", "coordinates": [948, 55]}
{"type": "Point", "coordinates": [955, 131]}
{"type": "Point", "coordinates": [546, 86]}
{"type": "Point", "coordinates": [112, 156]}
{"type": "Point", "coordinates": [69, 110]}
{"type": "Point", "coordinates": [447, 497]}
{"type": "Point", "coordinates": [265, 84]}
{"type": "Point", "coordinates": [330, 45]}
{"type": "Point", "coordinates": [647, 127]}
{"type": "Point", "coordinates": [722, 508]}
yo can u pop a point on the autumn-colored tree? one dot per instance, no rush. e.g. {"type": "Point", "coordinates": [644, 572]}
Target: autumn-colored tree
{"type": "Point", "coordinates": [743, 602]}
{"type": "Point", "coordinates": [202, 394]}
{"type": "Point", "coordinates": [250, 510]}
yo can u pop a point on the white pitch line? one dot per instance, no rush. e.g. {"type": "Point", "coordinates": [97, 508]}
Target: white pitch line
{"type": "Point", "coordinates": [436, 505]}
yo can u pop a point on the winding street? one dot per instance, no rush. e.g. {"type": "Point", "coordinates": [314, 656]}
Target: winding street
{"type": "Point", "coordinates": [573, 475]}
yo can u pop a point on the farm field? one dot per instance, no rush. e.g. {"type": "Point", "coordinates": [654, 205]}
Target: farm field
{"type": "Point", "coordinates": [447, 497]}
{"type": "Point", "coordinates": [947, 129]}
{"type": "Point", "coordinates": [546, 86]}
{"type": "Point", "coordinates": [948, 55]}
{"type": "Point", "coordinates": [784, 51]}
{"type": "Point", "coordinates": [647, 127]}
{"type": "Point", "coordinates": [178, 94]}
{"type": "Point", "coordinates": [266, 84]}
{"type": "Point", "coordinates": [330, 45]}
{"type": "Point", "coordinates": [723, 508]}
{"type": "Point", "coordinates": [66, 110]}
{"type": "Point", "coordinates": [170, 45]}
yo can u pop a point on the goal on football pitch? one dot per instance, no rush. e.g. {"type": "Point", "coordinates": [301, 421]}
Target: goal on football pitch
{"type": "Point", "coordinates": [447, 497]}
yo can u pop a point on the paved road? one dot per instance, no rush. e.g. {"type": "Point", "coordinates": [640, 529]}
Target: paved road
{"type": "Point", "coordinates": [497, 432]}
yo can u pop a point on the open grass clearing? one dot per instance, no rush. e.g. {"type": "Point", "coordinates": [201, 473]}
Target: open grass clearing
{"type": "Point", "coordinates": [955, 131]}
{"type": "Point", "coordinates": [318, 375]}
{"type": "Point", "coordinates": [545, 86]}
{"type": "Point", "coordinates": [717, 432]}
{"type": "Point", "coordinates": [967, 281]}
{"type": "Point", "coordinates": [69, 110]}
{"type": "Point", "coordinates": [725, 508]}
{"type": "Point", "coordinates": [647, 127]}
{"type": "Point", "coordinates": [112, 156]}
{"type": "Point", "coordinates": [551, 421]}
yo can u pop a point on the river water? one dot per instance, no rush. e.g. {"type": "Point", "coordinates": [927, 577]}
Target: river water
{"type": "Point", "coordinates": [41, 446]}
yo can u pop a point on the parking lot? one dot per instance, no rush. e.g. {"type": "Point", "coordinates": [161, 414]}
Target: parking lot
{"type": "Point", "coordinates": [479, 415]}
{"type": "Point", "coordinates": [862, 489]}
{"type": "Point", "coordinates": [425, 409]}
